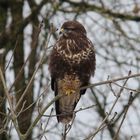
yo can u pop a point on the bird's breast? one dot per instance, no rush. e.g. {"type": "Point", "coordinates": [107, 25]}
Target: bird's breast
{"type": "Point", "coordinates": [72, 51]}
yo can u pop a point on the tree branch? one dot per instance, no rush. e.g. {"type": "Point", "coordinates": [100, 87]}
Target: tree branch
{"type": "Point", "coordinates": [13, 115]}
{"type": "Point", "coordinates": [84, 7]}
{"type": "Point", "coordinates": [40, 115]}
{"type": "Point", "coordinates": [111, 81]}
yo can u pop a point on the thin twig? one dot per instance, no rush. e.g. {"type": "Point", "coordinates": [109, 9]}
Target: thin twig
{"type": "Point", "coordinates": [34, 103]}
{"type": "Point", "coordinates": [69, 126]}
{"type": "Point", "coordinates": [21, 110]}
{"type": "Point", "coordinates": [6, 67]}
{"type": "Point", "coordinates": [32, 78]}
{"type": "Point", "coordinates": [39, 116]}
{"type": "Point", "coordinates": [46, 124]}
{"type": "Point", "coordinates": [13, 115]}
{"type": "Point", "coordinates": [110, 84]}
{"type": "Point", "coordinates": [64, 134]}
{"type": "Point", "coordinates": [103, 126]}
{"type": "Point", "coordinates": [124, 116]}
{"type": "Point", "coordinates": [74, 112]}
{"type": "Point", "coordinates": [23, 66]}
{"type": "Point", "coordinates": [116, 100]}
{"type": "Point", "coordinates": [133, 90]}
{"type": "Point", "coordinates": [6, 92]}
{"type": "Point", "coordinates": [110, 81]}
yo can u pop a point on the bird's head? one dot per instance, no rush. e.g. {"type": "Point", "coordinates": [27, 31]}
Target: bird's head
{"type": "Point", "coordinates": [72, 28]}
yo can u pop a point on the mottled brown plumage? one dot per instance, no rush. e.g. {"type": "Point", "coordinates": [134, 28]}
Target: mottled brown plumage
{"type": "Point", "coordinates": [72, 62]}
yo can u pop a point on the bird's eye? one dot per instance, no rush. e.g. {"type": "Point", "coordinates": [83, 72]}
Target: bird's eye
{"type": "Point", "coordinates": [68, 29]}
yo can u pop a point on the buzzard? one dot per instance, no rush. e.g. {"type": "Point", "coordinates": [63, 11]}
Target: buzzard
{"type": "Point", "coordinates": [72, 62]}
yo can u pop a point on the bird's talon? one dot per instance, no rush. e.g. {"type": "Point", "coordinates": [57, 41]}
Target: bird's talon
{"type": "Point", "coordinates": [68, 92]}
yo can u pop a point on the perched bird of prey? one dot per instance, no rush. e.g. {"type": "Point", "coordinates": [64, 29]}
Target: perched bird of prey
{"type": "Point", "coordinates": [72, 62]}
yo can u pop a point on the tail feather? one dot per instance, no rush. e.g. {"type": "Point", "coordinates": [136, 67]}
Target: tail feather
{"type": "Point", "coordinates": [66, 106]}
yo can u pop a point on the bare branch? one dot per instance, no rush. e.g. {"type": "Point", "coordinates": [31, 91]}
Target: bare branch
{"type": "Point", "coordinates": [109, 113]}
{"type": "Point", "coordinates": [84, 6]}
{"type": "Point", "coordinates": [124, 116]}
{"type": "Point", "coordinates": [13, 115]}
{"type": "Point", "coordinates": [40, 115]}
{"type": "Point", "coordinates": [111, 81]}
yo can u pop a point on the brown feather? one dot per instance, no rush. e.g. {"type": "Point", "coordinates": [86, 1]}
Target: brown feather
{"type": "Point", "coordinates": [70, 83]}
{"type": "Point", "coordinates": [72, 62]}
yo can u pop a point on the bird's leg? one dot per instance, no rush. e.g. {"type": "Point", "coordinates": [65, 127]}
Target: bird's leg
{"type": "Point", "coordinates": [70, 91]}
{"type": "Point", "coordinates": [70, 84]}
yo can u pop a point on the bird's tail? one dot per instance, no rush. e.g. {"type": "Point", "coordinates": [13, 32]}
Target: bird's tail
{"type": "Point", "coordinates": [65, 106]}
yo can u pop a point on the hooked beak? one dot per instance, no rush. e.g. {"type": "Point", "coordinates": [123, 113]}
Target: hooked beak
{"type": "Point", "coordinates": [61, 31]}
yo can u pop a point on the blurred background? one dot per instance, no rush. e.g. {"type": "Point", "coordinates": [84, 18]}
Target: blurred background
{"type": "Point", "coordinates": [28, 31]}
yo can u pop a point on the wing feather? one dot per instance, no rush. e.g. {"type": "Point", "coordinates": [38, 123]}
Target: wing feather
{"type": "Point", "coordinates": [72, 62]}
